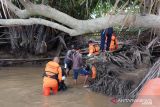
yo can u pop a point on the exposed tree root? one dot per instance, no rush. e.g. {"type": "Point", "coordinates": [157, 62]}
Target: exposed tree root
{"type": "Point", "coordinates": [123, 70]}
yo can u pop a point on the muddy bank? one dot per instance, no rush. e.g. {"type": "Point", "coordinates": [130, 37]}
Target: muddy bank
{"type": "Point", "coordinates": [22, 87]}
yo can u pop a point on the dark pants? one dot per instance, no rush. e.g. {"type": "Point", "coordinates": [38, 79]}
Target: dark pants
{"type": "Point", "coordinates": [76, 73]}
{"type": "Point", "coordinates": [108, 32]}
{"type": "Point", "coordinates": [103, 38]}
{"type": "Point", "coordinates": [68, 64]}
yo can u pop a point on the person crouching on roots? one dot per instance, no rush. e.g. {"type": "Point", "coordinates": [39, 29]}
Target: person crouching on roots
{"type": "Point", "coordinates": [52, 75]}
{"type": "Point", "coordinates": [88, 71]}
{"type": "Point", "coordinates": [93, 48]}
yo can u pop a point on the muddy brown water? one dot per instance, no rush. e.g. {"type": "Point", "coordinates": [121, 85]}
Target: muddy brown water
{"type": "Point", "coordinates": [22, 87]}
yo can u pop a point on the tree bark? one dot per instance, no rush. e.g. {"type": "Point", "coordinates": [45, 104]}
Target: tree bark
{"type": "Point", "coordinates": [71, 25]}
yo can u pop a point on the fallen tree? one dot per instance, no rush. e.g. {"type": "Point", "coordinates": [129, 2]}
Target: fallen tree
{"type": "Point", "coordinates": [18, 15]}
{"type": "Point", "coordinates": [71, 25]}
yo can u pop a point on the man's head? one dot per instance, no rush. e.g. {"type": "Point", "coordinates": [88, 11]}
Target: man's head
{"type": "Point", "coordinates": [77, 48]}
{"type": "Point", "coordinates": [72, 47]}
{"type": "Point", "coordinates": [56, 59]}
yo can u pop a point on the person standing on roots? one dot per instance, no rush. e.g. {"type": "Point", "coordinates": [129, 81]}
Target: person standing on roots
{"type": "Point", "coordinates": [89, 71]}
{"type": "Point", "coordinates": [68, 60]}
{"type": "Point", "coordinates": [114, 43]}
{"type": "Point", "coordinates": [51, 77]}
{"type": "Point", "coordinates": [103, 38]}
{"type": "Point", "coordinates": [106, 35]}
{"type": "Point", "coordinates": [77, 64]}
{"type": "Point", "coordinates": [93, 48]}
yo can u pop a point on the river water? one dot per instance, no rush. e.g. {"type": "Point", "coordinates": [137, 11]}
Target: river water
{"type": "Point", "coordinates": [22, 87]}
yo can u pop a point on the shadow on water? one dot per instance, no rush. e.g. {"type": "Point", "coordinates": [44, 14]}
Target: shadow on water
{"type": "Point", "coordinates": [22, 87]}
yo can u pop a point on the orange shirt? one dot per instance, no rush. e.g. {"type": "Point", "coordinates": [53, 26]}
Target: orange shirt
{"type": "Point", "coordinates": [93, 49]}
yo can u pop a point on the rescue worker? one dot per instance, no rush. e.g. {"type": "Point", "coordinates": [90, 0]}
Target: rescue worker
{"type": "Point", "coordinates": [109, 36]}
{"type": "Point", "coordinates": [68, 60]}
{"type": "Point", "coordinates": [52, 75]}
{"type": "Point", "coordinates": [114, 43]}
{"type": "Point", "coordinates": [93, 48]}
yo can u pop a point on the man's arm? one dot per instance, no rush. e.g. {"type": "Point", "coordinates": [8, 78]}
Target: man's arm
{"type": "Point", "coordinates": [59, 74]}
{"type": "Point", "coordinates": [80, 60]}
{"type": "Point", "coordinates": [69, 55]}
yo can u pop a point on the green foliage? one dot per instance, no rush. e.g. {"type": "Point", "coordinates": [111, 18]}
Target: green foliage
{"type": "Point", "coordinates": [80, 9]}
{"type": "Point", "coordinates": [104, 7]}
{"type": "Point", "coordinates": [101, 9]}
{"type": "Point", "coordinates": [83, 9]}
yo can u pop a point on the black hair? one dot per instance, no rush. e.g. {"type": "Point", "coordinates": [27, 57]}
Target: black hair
{"type": "Point", "coordinates": [72, 47]}
{"type": "Point", "coordinates": [90, 41]}
{"type": "Point", "coordinates": [77, 47]}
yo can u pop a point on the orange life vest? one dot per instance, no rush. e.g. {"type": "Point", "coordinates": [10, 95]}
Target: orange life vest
{"type": "Point", "coordinates": [94, 49]}
{"type": "Point", "coordinates": [52, 68]}
{"type": "Point", "coordinates": [114, 43]}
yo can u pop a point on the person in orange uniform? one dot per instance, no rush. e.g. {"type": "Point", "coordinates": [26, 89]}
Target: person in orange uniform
{"type": "Point", "coordinates": [52, 75]}
{"type": "Point", "coordinates": [114, 43]}
{"type": "Point", "coordinates": [93, 48]}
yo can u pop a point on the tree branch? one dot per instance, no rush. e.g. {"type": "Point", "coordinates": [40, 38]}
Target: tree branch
{"type": "Point", "coordinates": [50, 12]}
{"type": "Point", "coordinates": [87, 26]}
{"type": "Point", "coordinates": [77, 27]}
{"type": "Point", "coordinates": [42, 10]}
{"type": "Point", "coordinates": [20, 13]}
{"type": "Point", "coordinates": [32, 21]}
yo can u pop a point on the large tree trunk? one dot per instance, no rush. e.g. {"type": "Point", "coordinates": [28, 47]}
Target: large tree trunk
{"type": "Point", "coordinates": [71, 25]}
